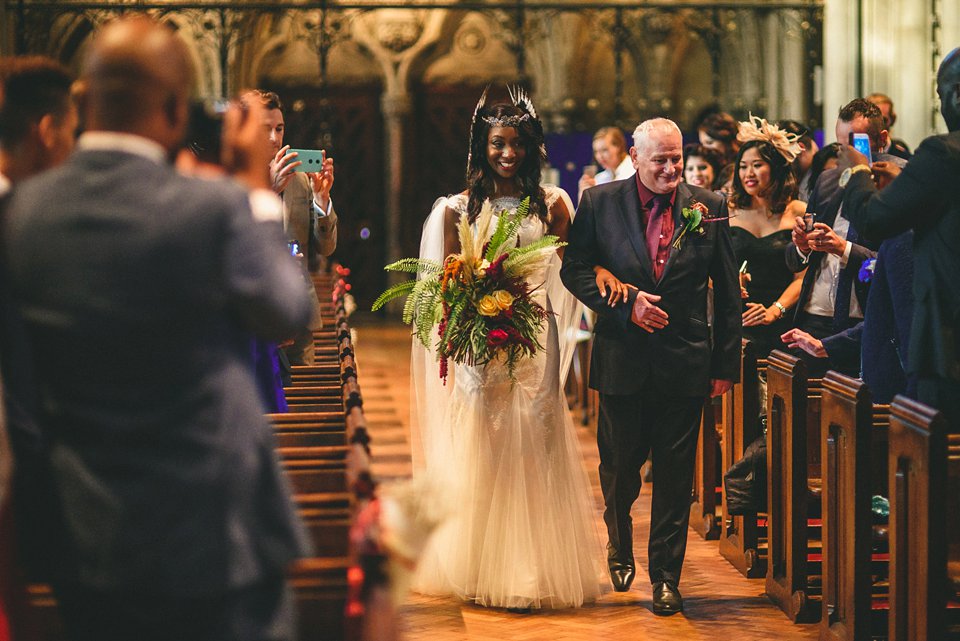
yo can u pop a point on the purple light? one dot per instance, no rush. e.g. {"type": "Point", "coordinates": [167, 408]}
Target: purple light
{"type": "Point", "coordinates": [365, 233]}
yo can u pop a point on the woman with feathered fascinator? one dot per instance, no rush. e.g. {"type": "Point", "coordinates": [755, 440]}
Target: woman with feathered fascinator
{"type": "Point", "coordinates": [763, 207]}
{"type": "Point", "coordinates": [501, 457]}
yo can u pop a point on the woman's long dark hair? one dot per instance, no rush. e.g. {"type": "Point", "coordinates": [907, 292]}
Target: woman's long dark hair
{"type": "Point", "coordinates": [480, 181]}
{"type": "Point", "coordinates": [783, 184]}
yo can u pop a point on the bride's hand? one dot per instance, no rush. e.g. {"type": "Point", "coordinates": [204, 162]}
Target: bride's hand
{"type": "Point", "coordinates": [618, 289]}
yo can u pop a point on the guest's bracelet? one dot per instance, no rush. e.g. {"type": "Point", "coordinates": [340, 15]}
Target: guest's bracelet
{"type": "Point", "coordinates": [779, 305]}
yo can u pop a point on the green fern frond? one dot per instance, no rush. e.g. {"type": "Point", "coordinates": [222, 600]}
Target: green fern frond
{"type": "Point", "coordinates": [395, 291]}
{"type": "Point", "coordinates": [415, 266]}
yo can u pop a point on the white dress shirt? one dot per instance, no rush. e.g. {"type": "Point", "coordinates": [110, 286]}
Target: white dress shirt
{"type": "Point", "coordinates": [824, 291]}
{"type": "Point", "coordinates": [624, 170]}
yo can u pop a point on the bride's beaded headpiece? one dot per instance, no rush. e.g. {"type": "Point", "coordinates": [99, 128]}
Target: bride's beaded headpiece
{"type": "Point", "coordinates": [757, 128]}
{"type": "Point", "coordinates": [520, 99]}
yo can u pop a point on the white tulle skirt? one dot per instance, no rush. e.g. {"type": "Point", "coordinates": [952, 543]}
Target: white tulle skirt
{"type": "Point", "coordinates": [522, 530]}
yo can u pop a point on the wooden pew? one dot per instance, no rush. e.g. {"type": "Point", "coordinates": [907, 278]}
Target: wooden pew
{"type": "Point", "coordinates": [854, 454]}
{"type": "Point", "coordinates": [793, 461]}
{"type": "Point", "coordinates": [924, 474]}
{"type": "Point", "coordinates": [740, 536]}
{"type": "Point", "coordinates": [707, 477]}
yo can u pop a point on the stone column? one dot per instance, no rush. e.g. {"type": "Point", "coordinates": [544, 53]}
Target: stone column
{"type": "Point", "coordinates": [841, 59]}
{"type": "Point", "coordinates": [396, 110]}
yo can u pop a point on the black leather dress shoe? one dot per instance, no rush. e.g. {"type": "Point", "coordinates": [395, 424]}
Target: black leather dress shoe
{"type": "Point", "coordinates": [621, 575]}
{"type": "Point", "coordinates": [666, 599]}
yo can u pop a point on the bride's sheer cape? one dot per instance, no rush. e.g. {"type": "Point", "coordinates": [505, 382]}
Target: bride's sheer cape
{"type": "Point", "coordinates": [502, 460]}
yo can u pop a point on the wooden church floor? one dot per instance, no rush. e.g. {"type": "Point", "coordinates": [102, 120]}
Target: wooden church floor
{"type": "Point", "coordinates": [720, 604]}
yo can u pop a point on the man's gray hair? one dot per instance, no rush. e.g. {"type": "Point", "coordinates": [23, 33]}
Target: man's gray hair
{"type": "Point", "coordinates": [645, 128]}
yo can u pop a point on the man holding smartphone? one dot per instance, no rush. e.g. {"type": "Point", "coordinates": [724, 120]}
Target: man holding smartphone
{"type": "Point", "coordinates": [832, 299]}
{"type": "Point", "coordinates": [308, 214]}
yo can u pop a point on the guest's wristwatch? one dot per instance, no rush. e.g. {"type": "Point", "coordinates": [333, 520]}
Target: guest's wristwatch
{"type": "Point", "coordinates": [850, 171]}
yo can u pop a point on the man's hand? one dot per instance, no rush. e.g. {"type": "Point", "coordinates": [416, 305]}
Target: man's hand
{"type": "Point", "coordinates": [719, 387]}
{"type": "Point", "coordinates": [246, 151]}
{"type": "Point", "coordinates": [824, 239]}
{"type": "Point", "coordinates": [322, 182]}
{"type": "Point", "coordinates": [884, 173]}
{"type": "Point", "coordinates": [282, 167]}
{"type": "Point", "coordinates": [618, 289]}
{"type": "Point", "coordinates": [646, 315]}
{"type": "Point", "coordinates": [797, 338]}
{"type": "Point", "coordinates": [799, 235]}
{"type": "Point", "coordinates": [850, 157]}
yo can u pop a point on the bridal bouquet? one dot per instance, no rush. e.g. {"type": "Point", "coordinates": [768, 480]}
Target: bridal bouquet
{"type": "Point", "coordinates": [479, 299]}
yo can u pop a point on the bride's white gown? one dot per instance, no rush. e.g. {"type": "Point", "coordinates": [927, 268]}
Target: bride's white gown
{"type": "Point", "coordinates": [505, 457]}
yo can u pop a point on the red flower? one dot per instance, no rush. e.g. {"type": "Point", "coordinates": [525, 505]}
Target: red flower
{"type": "Point", "coordinates": [497, 337]}
{"type": "Point", "coordinates": [701, 208]}
{"type": "Point", "coordinates": [495, 270]}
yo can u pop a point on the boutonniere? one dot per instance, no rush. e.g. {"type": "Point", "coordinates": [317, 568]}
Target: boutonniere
{"type": "Point", "coordinates": [694, 216]}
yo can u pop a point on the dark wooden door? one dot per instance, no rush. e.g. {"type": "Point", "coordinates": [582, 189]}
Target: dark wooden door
{"type": "Point", "coordinates": [436, 152]}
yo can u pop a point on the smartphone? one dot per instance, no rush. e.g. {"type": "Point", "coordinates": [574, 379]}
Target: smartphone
{"type": "Point", "coordinates": [590, 170]}
{"type": "Point", "coordinates": [311, 160]}
{"type": "Point", "coordinates": [861, 142]}
{"type": "Point", "coordinates": [294, 247]}
{"type": "Point", "coordinates": [808, 221]}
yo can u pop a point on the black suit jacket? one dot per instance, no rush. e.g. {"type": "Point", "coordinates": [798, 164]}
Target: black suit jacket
{"type": "Point", "coordinates": [140, 289]}
{"type": "Point", "coordinates": [924, 197]}
{"type": "Point", "coordinates": [607, 231]}
{"type": "Point", "coordinates": [825, 201]}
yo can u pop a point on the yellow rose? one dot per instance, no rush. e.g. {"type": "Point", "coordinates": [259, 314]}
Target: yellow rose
{"type": "Point", "coordinates": [504, 298]}
{"type": "Point", "coordinates": [488, 306]}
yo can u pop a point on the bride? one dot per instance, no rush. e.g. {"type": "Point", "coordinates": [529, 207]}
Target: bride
{"type": "Point", "coordinates": [504, 456]}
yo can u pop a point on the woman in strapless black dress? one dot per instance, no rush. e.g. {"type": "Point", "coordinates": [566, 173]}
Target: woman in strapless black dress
{"type": "Point", "coordinates": [763, 207]}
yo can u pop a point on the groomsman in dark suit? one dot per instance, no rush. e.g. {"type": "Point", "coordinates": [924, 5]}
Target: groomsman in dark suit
{"type": "Point", "coordinates": [140, 289]}
{"type": "Point", "coordinates": [923, 197]}
{"type": "Point", "coordinates": [654, 360]}
{"type": "Point", "coordinates": [832, 299]}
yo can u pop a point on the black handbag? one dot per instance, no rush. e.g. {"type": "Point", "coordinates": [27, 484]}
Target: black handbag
{"type": "Point", "coordinates": [745, 483]}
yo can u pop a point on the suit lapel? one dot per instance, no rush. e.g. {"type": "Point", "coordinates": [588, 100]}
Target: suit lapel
{"type": "Point", "coordinates": [630, 214]}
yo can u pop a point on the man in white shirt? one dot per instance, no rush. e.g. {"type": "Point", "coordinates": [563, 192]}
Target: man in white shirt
{"type": "Point", "coordinates": [832, 298]}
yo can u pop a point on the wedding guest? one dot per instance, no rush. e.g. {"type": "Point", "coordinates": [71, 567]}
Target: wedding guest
{"type": "Point", "coordinates": [880, 340]}
{"type": "Point", "coordinates": [823, 160]}
{"type": "Point", "coordinates": [832, 299]}
{"type": "Point", "coordinates": [38, 121]}
{"type": "Point", "coordinates": [309, 218]}
{"type": "Point", "coordinates": [143, 287]}
{"type": "Point", "coordinates": [922, 197]}
{"type": "Point", "coordinates": [895, 146]}
{"type": "Point", "coordinates": [803, 162]}
{"type": "Point", "coordinates": [763, 209]}
{"type": "Point", "coordinates": [718, 131]}
{"type": "Point", "coordinates": [610, 152]}
{"type": "Point", "coordinates": [701, 166]}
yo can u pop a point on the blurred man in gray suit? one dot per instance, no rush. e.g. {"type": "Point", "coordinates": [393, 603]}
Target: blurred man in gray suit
{"type": "Point", "coordinates": [140, 289]}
